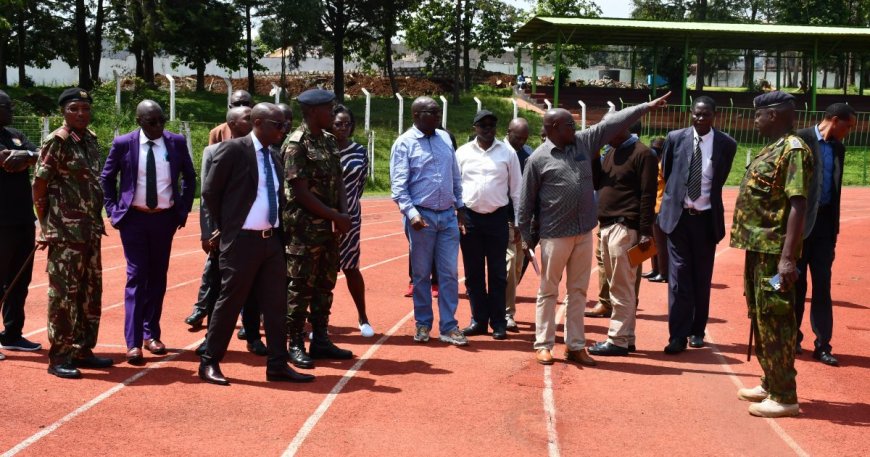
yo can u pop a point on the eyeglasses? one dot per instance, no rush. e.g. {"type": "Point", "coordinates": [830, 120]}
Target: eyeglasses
{"type": "Point", "coordinates": [240, 103]}
{"type": "Point", "coordinates": [278, 125]}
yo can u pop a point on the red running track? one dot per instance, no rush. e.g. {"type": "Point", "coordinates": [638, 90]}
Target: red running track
{"type": "Point", "coordinates": [401, 398]}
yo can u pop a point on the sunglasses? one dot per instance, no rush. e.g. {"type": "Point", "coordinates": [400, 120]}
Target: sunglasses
{"type": "Point", "coordinates": [240, 103]}
{"type": "Point", "coordinates": [278, 125]}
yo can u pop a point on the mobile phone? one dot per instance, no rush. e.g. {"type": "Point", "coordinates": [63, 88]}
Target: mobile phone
{"type": "Point", "coordinates": [776, 282]}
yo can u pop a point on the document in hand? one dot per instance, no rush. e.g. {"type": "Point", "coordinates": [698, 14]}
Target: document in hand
{"type": "Point", "coordinates": [637, 254]}
{"type": "Point", "coordinates": [530, 254]}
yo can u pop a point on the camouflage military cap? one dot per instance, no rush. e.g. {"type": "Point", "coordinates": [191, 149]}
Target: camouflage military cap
{"type": "Point", "coordinates": [772, 99]}
{"type": "Point", "coordinates": [314, 97]}
{"type": "Point", "coordinates": [74, 94]}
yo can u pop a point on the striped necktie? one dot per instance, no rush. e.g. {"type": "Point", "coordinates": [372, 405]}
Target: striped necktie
{"type": "Point", "coordinates": [694, 185]}
{"type": "Point", "coordinates": [270, 187]}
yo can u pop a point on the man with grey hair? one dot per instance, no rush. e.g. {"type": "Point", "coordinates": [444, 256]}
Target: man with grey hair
{"type": "Point", "coordinates": [558, 190]}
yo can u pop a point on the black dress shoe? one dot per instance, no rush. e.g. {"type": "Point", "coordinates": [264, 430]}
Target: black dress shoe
{"type": "Point", "coordinates": [657, 278]}
{"type": "Point", "coordinates": [605, 348]}
{"type": "Point", "coordinates": [696, 341]}
{"type": "Point", "coordinates": [500, 334]}
{"type": "Point", "coordinates": [287, 374]}
{"type": "Point", "coordinates": [298, 356]}
{"type": "Point", "coordinates": [676, 346]}
{"type": "Point", "coordinates": [242, 335]}
{"type": "Point", "coordinates": [93, 362]}
{"type": "Point", "coordinates": [650, 274]}
{"type": "Point", "coordinates": [322, 347]}
{"type": "Point", "coordinates": [826, 358]}
{"type": "Point", "coordinates": [632, 348]}
{"type": "Point", "coordinates": [475, 329]}
{"type": "Point", "coordinates": [195, 319]}
{"type": "Point", "coordinates": [258, 348]}
{"type": "Point", "coordinates": [64, 370]}
{"type": "Point", "coordinates": [211, 373]}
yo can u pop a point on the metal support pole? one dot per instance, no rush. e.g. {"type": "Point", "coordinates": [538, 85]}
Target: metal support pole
{"type": "Point", "coordinates": [368, 108]}
{"type": "Point", "coordinates": [229, 84]}
{"type": "Point", "coordinates": [401, 111]}
{"type": "Point", "coordinates": [557, 77]}
{"type": "Point", "coordinates": [582, 114]}
{"type": "Point", "coordinates": [686, 70]}
{"type": "Point", "coordinates": [277, 91]}
{"type": "Point", "coordinates": [534, 69]}
{"type": "Point", "coordinates": [778, 70]}
{"type": "Point", "coordinates": [548, 104]}
{"type": "Point", "coordinates": [45, 127]}
{"type": "Point", "coordinates": [516, 108]}
{"type": "Point", "coordinates": [519, 60]}
{"type": "Point", "coordinates": [813, 77]}
{"type": "Point", "coordinates": [611, 105]}
{"type": "Point", "coordinates": [171, 96]}
{"type": "Point", "coordinates": [861, 75]}
{"type": "Point", "coordinates": [117, 92]}
{"type": "Point", "coordinates": [633, 66]}
{"type": "Point", "coordinates": [479, 103]}
{"type": "Point", "coordinates": [655, 70]}
{"type": "Point", "coordinates": [443, 112]}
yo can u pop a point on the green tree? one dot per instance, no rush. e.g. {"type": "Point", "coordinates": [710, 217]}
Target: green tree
{"type": "Point", "coordinates": [341, 21]}
{"type": "Point", "coordinates": [376, 48]}
{"type": "Point", "coordinates": [571, 54]}
{"type": "Point", "coordinates": [30, 35]}
{"type": "Point", "coordinates": [137, 27]}
{"type": "Point", "coordinates": [291, 26]}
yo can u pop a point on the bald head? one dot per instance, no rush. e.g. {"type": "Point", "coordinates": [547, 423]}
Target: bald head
{"type": "Point", "coordinates": [241, 98]}
{"type": "Point", "coordinates": [149, 116]}
{"type": "Point", "coordinates": [264, 111]}
{"type": "Point", "coordinates": [559, 125]}
{"type": "Point", "coordinates": [426, 114]}
{"type": "Point", "coordinates": [518, 133]}
{"type": "Point", "coordinates": [146, 107]}
{"type": "Point", "coordinates": [239, 121]}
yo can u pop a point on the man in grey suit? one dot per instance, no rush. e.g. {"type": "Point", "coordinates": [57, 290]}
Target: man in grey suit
{"type": "Point", "coordinates": [244, 194]}
{"type": "Point", "coordinates": [696, 164]}
{"type": "Point", "coordinates": [822, 225]}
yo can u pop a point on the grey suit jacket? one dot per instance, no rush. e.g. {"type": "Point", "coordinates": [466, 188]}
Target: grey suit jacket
{"type": "Point", "coordinates": [231, 186]}
{"type": "Point", "coordinates": [810, 138]}
{"type": "Point", "coordinates": [678, 149]}
{"type": "Point", "coordinates": [206, 225]}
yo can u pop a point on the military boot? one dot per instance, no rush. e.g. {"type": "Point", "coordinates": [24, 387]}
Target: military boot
{"type": "Point", "coordinates": [298, 357]}
{"type": "Point", "coordinates": [323, 348]}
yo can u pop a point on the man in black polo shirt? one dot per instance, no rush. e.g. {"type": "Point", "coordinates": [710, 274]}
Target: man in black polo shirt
{"type": "Point", "coordinates": [17, 155]}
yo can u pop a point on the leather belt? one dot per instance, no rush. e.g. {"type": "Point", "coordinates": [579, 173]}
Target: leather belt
{"type": "Point", "coordinates": [694, 212]}
{"type": "Point", "coordinates": [608, 221]}
{"type": "Point", "coordinates": [265, 234]}
{"type": "Point", "coordinates": [146, 210]}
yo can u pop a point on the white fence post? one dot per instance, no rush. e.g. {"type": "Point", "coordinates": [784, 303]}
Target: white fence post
{"type": "Point", "coordinates": [117, 92]}
{"type": "Point", "coordinates": [229, 89]}
{"type": "Point", "coordinates": [582, 114]}
{"type": "Point", "coordinates": [479, 103]}
{"type": "Point", "coordinates": [612, 106]}
{"type": "Point", "coordinates": [277, 91]}
{"type": "Point", "coordinates": [401, 111]}
{"type": "Point", "coordinates": [516, 108]}
{"type": "Point", "coordinates": [370, 135]}
{"type": "Point", "coordinates": [171, 96]}
{"type": "Point", "coordinates": [549, 105]}
{"type": "Point", "coordinates": [185, 130]}
{"type": "Point", "coordinates": [748, 156]}
{"type": "Point", "coordinates": [45, 128]}
{"type": "Point", "coordinates": [443, 112]}
{"type": "Point", "coordinates": [368, 108]}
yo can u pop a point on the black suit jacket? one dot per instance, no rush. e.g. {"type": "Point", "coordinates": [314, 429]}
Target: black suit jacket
{"type": "Point", "coordinates": [231, 186]}
{"type": "Point", "coordinates": [678, 150]}
{"type": "Point", "coordinates": [810, 138]}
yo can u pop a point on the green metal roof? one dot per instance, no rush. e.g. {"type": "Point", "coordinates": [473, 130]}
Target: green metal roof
{"type": "Point", "coordinates": [711, 35]}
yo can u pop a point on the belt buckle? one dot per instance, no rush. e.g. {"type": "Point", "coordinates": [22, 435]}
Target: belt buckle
{"type": "Point", "coordinates": [693, 211]}
{"type": "Point", "coordinates": [266, 234]}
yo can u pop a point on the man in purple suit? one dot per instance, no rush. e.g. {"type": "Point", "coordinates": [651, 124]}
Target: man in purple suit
{"type": "Point", "coordinates": [147, 207]}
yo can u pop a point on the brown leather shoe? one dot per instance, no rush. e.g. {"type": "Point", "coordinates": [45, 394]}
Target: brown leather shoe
{"type": "Point", "coordinates": [581, 357]}
{"type": "Point", "coordinates": [544, 357]}
{"type": "Point", "coordinates": [155, 347]}
{"type": "Point", "coordinates": [600, 310]}
{"type": "Point", "coordinates": [134, 356]}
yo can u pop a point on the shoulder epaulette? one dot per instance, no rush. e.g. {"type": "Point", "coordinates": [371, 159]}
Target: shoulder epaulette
{"type": "Point", "coordinates": [795, 142]}
{"type": "Point", "coordinates": [62, 133]}
{"type": "Point", "coordinates": [296, 136]}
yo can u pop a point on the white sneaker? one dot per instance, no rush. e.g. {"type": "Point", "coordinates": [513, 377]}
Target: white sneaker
{"type": "Point", "coordinates": [755, 394]}
{"type": "Point", "coordinates": [454, 337]}
{"type": "Point", "coordinates": [366, 330]}
{"type": "Point", "coordinates": [770, 408]}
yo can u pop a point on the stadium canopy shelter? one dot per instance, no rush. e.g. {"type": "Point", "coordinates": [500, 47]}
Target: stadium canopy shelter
{"type": "Point", "coordinates": [656, 34]}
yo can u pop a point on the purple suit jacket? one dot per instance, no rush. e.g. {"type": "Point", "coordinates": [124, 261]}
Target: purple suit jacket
{"type": "Point", "coordinates": [124, 159]}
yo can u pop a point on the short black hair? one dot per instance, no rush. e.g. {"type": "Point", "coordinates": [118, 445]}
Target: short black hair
{"type": "Point", "coordinates": [705, 100]}
{"type": "Point", "coordinates": [841, 110]}
{"type": "Point", "coordinates": [339, 108]}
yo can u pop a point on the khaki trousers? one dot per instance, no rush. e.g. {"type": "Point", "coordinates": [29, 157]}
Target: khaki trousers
{"type": "Point", "coordinates": [573, 255]}
{"type": "Point", "coordinates": [515, 256]}
{"type": "Point", "coordinates": [616, 239]}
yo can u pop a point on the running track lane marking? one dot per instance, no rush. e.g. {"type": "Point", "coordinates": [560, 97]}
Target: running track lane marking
{"type": "Point", "coordinates": [94, 402]}
{"type": "Point", "coordinates": [550, 411]}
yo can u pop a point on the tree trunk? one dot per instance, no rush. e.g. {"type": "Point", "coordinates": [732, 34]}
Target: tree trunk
{"type": "Point", "coordinates": [200, 76]}
{"type": "Point", "coordinates": [148, 65]}
{"type": "Point", "coordinates": [457, 33]}
{"type": "Point", "coordinates": [83, 45]}
{"type": "Point", "coordinates": [136, 50]}
{"type": "Point", "coordinates": [97, 51]}
{"type": "Point", "coordinates": [4, 81]}
{"type": "Point", "coordinates": [701, 69]}
{"type": "Point", "coordinates": [252, 85]}
{"type": "Point", "coordinates": [466, 44]}
{"type": "Point", "coordinates": [338, 58]}
{"type": "Point", "coordinates": [388, 57]}
{"type": "Point", "coordinates": [22, 37]}
{"type": "Point", "coordinates": [284, 44]}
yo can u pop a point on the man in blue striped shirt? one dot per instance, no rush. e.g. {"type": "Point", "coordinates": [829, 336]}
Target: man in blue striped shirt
{"type": "Point", "coordinates": [427, 186]}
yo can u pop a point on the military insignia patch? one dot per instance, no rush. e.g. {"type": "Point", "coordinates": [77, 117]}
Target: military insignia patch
{"type": "Point", "coordinates": [16, 142]}
{"type": "Point", "coordinates": [795, 143]}
{"type": "Point", "coordinates": [83, 94]}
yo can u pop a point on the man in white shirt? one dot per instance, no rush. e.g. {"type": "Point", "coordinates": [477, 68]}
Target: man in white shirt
{"type": "Point", "coordinates": [147, 207]}
{"type": "Point", "coordinates": [491, 179]}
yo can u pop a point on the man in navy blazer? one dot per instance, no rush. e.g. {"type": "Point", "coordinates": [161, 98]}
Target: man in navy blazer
{"type": "Point", "coordinates": [147, 207]}
{"type": "Point", "coordinates": [696, 164]}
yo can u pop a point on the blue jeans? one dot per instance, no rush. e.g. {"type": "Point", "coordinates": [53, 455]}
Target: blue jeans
{"type": "Point", "coordinates": [438, 241]}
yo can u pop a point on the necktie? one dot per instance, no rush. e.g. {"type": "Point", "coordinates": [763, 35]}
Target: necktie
{"type": "Point", "coordinates": [694, 185]}
{"type": "Point", "coordinates": [270, 187]}
{"type": "Point", "coordinates": [150, 178]}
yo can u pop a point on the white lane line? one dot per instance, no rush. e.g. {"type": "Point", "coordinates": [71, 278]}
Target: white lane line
{"type": "Point", "coordinates": [315, 417]}
{"type": "Point", "coordinates": [94, 402]}
{"type": "Point", "coordinates": [340, 276]}
{"type": "Point", "coordinates": [382, 236]}
{"type": "Point", "coordinates": [120, 303]}
{"type": "Point", "coordinates": [550, 414]}
{"type": "Point", "coordinates": [381, 222]}
{"type": "Point", "coordinates": [116, 267]}
{"type": "Point", "coordinates": [783, 435]}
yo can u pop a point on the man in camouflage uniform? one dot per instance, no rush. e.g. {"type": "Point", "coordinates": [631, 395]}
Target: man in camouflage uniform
{"type": "Point", "coordinates": [768, 224]}
{"type": "Point", "coordinates": [315, 202]}
{"type": "Point", "coordinates": [68, 200]}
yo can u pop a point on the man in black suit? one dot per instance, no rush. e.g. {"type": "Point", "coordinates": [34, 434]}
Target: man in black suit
{"type": "Point", "coordinates": [822, 224]}
{"type": "Point", "coordinates": [244, 195]}
{"type": "Point", "coordinates": [696, 164]}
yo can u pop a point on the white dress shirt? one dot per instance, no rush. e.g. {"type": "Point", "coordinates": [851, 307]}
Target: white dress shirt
{"type": "Point", "coordinates": [258, 215]}
{"type": "Point", "coordinates": [703, 202]}
{"type": "Point", "coordinates": [489, 177]}
{"type": "Point", "coordinates": [164, 182]}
